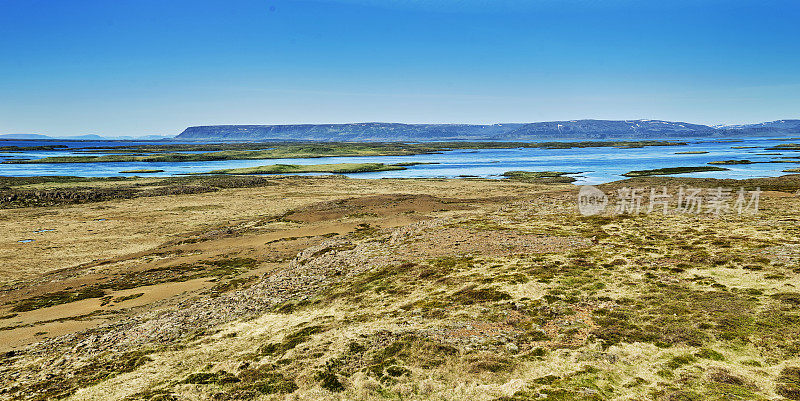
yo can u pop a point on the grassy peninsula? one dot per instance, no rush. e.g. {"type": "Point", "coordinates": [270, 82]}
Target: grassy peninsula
{"type": "Point", "coordinates": [671, 170]}
{"type": "Point", "coordinates": [142, 171]}
{"type": "Point", "coordinates": [169, 153]}
{"type": "Point", "coordinates": [539, 176]}
{"type": "Point", "coordinates": [338, 168]}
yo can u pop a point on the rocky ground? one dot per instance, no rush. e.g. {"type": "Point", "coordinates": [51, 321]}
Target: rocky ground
{"type": "Point", "coordinates": [329, 288]}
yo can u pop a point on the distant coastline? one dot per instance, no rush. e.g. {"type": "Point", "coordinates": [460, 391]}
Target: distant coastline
{"type": "Point", "coordinates": [399, 132]}
{"type": "Point", "coordinates": [551, 130]}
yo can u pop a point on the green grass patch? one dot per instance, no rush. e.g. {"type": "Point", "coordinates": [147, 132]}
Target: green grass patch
{"type": "Point", "coordinates": [57, 298]}
{"type": "Point", "coordinates": [290, 341]}
{"type": "Point", "coordinates": [472, 295]}
{"type": "Point", "coordinates": [216, 268]}
{"type": "Point", "coordinates": [789, 383]}
{"type": "Point", "coordinates": [339, 168]}
{"type": "Point", "coordinates": [539, 176]}
{"type": "Point", "coordinates": [672, 170]}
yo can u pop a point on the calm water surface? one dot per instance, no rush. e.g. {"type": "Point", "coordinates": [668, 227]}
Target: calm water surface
{"type": "Point", "coordinates": [590, 165]}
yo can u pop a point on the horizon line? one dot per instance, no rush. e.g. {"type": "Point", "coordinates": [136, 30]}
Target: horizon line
{"type": "Point", "coordinates": [10, 134]}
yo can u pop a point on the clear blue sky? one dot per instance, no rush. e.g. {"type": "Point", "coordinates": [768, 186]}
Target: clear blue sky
{"type": "Point", "coordinates": [136, 67]}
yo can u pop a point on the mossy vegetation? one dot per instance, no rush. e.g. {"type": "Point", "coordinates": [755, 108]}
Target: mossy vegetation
{"type": "Point", "coordinates": [247, 384]}
{"type": "Point", "coordinates": [672, 170]}
{"type": "Point", "coordinates": [57, 298]}
{"type": "Point", "coordinates": [13, 148]}
{"type": "Point", "coordinates": [651, 307]}
{"type": "Point", "coordinates": [18, 192]}
{"type": "Point", "coordinates": [289, 342]}
{"type": "Point", "coordinates": [732, 162]}
{"type": "Point", "coordinates": [142, 171]}
{"type": "Point", "coordinates": [221, 268]}
{"type": "Point", "coordinates": [785, 146]}
{"type": "Point", "coordinates": [540, 176]}
{"type": "Point", "coordinates": [471, 295]}
{"type": "Point", "coordinates": [339, 168]}
{"type": "Point", "coordinates": [96, 370]}
{"type": "Point", "coordinates": [789, 383]}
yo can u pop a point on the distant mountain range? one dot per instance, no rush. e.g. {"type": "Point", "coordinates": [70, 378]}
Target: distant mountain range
{"type": "Point", "coordinates": [570, 130]}
{"type": "Point", "coordinates": [88, 137]}
{"type": "Point", "coordinates": [25, 136]}
{"type": "Point", "coordinates": [387, 132]}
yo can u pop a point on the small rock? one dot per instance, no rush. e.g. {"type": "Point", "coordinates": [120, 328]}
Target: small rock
{"type": "Point", "coordinates": [512, 348]}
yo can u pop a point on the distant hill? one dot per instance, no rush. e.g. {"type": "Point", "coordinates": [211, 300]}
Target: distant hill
{"type": "Point", "coordinates": [87, 137]}
{"type": "Point", "coordinates": [779, 127]}
{"type": "Point", "coordinates": [349, 132]}
{"type": "Point", "coordinates": [569, 130]}
{"type": "Point", "coordinates": [142, 138]}
{"type": "Point", "coordinates": [608, 129]}
{"type": "Point", "coordinates": [24, 136]}
{"type": "Point", "coordinates": [95, 137]}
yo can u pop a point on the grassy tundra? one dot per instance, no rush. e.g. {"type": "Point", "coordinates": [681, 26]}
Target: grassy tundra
{"type": "Point", "coordinates": [329, 288]}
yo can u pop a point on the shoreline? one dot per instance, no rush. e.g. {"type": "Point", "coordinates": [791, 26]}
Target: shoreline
{"type": "Point", "coordinates": [272, 269]}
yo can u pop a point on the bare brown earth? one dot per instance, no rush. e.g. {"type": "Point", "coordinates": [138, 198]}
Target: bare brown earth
{"type": "Point", "coordinates": [334, 288]}
{"type": "Point", "coordinates": [98, 243]}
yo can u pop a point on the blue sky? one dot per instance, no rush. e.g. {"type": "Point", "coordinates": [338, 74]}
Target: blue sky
{"type": "Point", "coordinates": [137, 67]}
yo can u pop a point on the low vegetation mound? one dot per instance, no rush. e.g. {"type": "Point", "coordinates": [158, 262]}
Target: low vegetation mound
{"type": "Point", "coordinates": [338, 168]}
{"type": "Point", "coordinates": [540, 176]}
{"type": "Point", "coordinates": [672, 170]}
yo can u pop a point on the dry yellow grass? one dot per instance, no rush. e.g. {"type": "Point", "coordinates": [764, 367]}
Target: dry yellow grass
{"type": "Point", "coordinates": [455, 290]}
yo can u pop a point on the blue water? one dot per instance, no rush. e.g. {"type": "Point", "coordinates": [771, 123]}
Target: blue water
{"type": "Point", "coordinates": [591, 165]}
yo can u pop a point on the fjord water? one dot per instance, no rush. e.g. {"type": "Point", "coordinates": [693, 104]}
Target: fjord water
{"type": "Point", "coordinates": [590, 165]}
